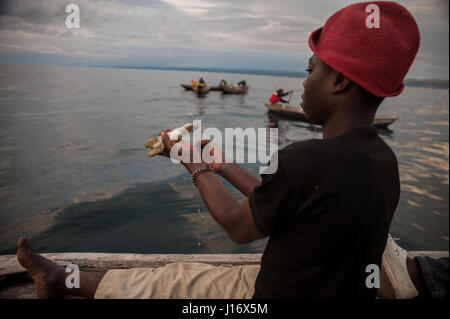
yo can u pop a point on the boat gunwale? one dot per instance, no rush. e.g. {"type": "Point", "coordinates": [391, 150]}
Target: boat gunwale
{"type": "Point", "coordinates": [298, 114]}
{"type": "Point", "coordinates": [10, 265]}
{"type": "Point", "coordinates": [232, 90]}
{"type": "Point", "coordinates": [103, 261]}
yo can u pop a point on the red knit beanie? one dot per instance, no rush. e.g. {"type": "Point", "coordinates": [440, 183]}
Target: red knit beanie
{"type": "Point", "coordinates": [377, 59]}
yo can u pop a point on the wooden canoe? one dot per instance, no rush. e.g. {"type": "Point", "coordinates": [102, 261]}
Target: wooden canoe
{"type": "Point", "coordinates": [187, 87]}
{"type": "Point", "coordinates": [15, 283]}
{"type": "Point", "coordinates": [216, 88]}
{"type": "Point", "coordinates": [297, 113]}
{"type": "Point", "coordinates": [234, 90]}
{"type": "Point", "coordinates": [382, 122]}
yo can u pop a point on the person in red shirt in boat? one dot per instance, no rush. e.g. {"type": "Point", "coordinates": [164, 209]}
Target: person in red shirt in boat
{"type": "Point", "coordinates": [277, 96]}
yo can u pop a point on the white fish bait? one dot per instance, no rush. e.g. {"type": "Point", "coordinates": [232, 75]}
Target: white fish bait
{"type": "Point", "coordinates": [156, 144]}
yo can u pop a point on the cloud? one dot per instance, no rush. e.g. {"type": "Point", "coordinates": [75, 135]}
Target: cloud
{"type": "Point", "coordinates": [118, 31]}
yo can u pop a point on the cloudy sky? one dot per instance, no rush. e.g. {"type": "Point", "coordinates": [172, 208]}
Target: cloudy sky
{"type": "Point", "coordinates": [260, 35]}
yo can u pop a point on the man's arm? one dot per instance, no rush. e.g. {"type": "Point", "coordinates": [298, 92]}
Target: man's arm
{"type": "Point", "coordinates": [240, 178]}
{"type": "Point", "coordinates": [234, 173]}
{"type": "Point", "coordinates": [235, 218]}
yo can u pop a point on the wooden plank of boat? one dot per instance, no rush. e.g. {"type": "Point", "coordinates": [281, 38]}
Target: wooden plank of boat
{"type": "Point", "coordinates": [16, 283]}
{"type": "Point", "coordinates": [235, 90]}
{"type": "Point", "coordinates": [382, 122]}
{"type": "Point", "coordinates": [297, 113]}
{"type": "Point", "coordinates": [294, 113]}
{"type": "Point", "coordinates": [216, 88]}
{"type": "Point", "coordinates": [187, 87]}
{"type": "Point", "coordinates": [105, 261]}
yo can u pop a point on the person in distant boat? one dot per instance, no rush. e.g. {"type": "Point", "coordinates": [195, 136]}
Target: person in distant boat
{"type": "Point", "coordinates": [201, 84]}
{"type": "Point", "coordinates": [223, 83]}
{"type": "Point", "coordinates": [194, 83]}
{"type": "Point", "coordinates": [278, 95]}
{"type": "Point", "coordinates": [242, 83]}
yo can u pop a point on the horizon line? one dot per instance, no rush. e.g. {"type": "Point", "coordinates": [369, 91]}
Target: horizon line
{"type": "Point", "coordinates": [432, 82]}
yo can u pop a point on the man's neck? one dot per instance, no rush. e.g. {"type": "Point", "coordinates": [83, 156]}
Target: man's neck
{"type": "Point", "coordinates": [341, 123]}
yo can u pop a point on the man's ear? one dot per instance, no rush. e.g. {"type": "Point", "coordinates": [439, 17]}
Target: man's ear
{"type": "Point", "coordinates": [340, 82]}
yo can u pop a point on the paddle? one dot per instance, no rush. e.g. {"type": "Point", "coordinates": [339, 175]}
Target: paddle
{"type": "Point", "coordinates": [290, 96]}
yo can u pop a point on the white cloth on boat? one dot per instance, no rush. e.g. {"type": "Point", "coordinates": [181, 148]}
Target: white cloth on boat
{"type": "Point", "coordinates": [180, 280]}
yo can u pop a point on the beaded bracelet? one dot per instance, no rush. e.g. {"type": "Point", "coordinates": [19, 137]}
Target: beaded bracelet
{"type": "Point", "coordinates": [200, 170]}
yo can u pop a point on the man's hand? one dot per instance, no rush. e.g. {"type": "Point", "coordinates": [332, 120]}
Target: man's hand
{"type": "Point", "coordinates": [219, 160]}
{"type": "Point", "coordinates": [184, 146]}
{"type": "Point", "coordinates": [167, 143]}
{"type": "Point", "coordinates": [210, 153]}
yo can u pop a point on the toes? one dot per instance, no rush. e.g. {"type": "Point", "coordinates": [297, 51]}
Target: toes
{"type": "Point", "coordinates": [22, 243]}
{"type": "Point", "coordinates": [25, 253]}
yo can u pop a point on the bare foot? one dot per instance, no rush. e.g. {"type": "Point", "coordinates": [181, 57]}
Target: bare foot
{"type": "Point", "coordinates": [48, 277]}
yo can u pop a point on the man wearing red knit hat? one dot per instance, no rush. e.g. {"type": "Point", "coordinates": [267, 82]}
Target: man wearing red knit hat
{"type": "Point", "coordinates": [327, 209]}
{"type": "Point", "coordinates": [347, 185]}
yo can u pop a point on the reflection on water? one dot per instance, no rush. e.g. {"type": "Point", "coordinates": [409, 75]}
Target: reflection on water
{"type": "Point", "coordinates": [146, 217]}
{"type": "Point", "coordinates": [75, 175]}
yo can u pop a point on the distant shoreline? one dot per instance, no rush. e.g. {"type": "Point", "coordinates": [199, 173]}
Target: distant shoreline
{"type": "Point", "coordinates": [431, 83]}
{"type": "Point", "coordinates": [220, 70]}
{"type": "Point", "coordinates": [439, 84]}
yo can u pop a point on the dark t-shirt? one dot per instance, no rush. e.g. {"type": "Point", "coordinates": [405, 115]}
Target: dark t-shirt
{"type": "Point", "coordinates": [327, 210]}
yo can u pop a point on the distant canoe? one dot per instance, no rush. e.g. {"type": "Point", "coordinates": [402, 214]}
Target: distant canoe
{"type": "Point", "coordinates": [382, 122]}
{"type": "Point", "coordinates": [294, 113]}
{"type": "Point", "coordinates": [297, 113]}
{"type": "Point", "coordinates": [216, 88]}
{"type": "Point", "coordinates": [201, 91]}
{"type": "Point", "coordinates": [187, 87]}
{"type": "Point", "coordinates": [235, 90]}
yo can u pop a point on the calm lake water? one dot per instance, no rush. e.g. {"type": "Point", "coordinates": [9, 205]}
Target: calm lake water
{"type": "Point", "coordinates": [74, 175]}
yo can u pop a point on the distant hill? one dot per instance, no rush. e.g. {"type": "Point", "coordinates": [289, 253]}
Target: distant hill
{"type": "Point", "coordinates": [441, 84]}
{"type": "Point", "coordinates": [220, 70]}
